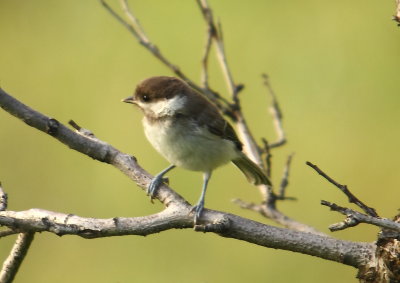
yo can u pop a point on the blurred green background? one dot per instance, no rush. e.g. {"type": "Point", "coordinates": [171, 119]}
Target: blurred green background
{"type": "Point", "coordinates": [333, 64]}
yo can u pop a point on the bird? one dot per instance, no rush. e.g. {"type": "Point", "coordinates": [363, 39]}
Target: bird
{"type": "Point", "coordinates": [188, 130]}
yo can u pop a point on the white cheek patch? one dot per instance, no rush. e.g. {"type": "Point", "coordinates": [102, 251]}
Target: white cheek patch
{"type": "Point", "coordinates": [165, 107]}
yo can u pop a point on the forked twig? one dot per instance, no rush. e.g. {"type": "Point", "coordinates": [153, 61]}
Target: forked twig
{"type": "Point", "coordinates": [215, 33]}
{"type": "Point", "coordinates": [354, 218]}
{"type": "Point", "coordinates": [352, 198]}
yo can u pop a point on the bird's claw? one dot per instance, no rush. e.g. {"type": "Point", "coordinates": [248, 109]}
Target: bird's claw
{"type": "Point", "coordinates": [154, 184]}
{"type": "Point", "coordinates": [197, 209]}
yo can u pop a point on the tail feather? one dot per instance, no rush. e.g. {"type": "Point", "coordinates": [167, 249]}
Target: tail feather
{"type": "Point", "coordinates": [253, 173]}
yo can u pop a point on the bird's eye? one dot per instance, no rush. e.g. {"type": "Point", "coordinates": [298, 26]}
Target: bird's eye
{"type": "Point", "coordinates": [145, 98]}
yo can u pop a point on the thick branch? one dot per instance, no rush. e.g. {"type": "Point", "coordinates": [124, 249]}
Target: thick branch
{"type": "Point", "coordinates": [349, 253]}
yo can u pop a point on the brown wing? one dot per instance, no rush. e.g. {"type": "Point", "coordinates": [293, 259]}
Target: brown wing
{"type": "Point", "coordinates": [223, 129]}
{"type": "Point", "coordinates": [207, 114]}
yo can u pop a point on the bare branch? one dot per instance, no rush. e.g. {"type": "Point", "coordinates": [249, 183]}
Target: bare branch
{"type": "Point", "coordinates": [354, 218]}
{"type": "Point", "coordinates": [352, 198]}
{"type": "Point", "coordinates": [276, 115]}
{"type": "Point", "coordinates": [270, 212]}
{"type": "Point", "coordinates": [226, 225]}
{"type": "Point", "coordinates": [141, 35]}
{"type": "Point", "coordinates": [16, 256]}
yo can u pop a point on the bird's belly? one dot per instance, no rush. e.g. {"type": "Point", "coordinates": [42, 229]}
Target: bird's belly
{"type": "Point", "coordinates": [193, 148]}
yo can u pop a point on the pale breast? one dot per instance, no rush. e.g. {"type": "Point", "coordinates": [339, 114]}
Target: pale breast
{"type": "Point", "coordinates": [186, 145]}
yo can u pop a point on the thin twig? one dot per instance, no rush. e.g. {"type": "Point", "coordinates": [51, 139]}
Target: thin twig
{"type": "Point", "coordinates": [16, 256]}
{"type": "Point", "coordinates": [285, 180]}
{"type": "Point", "coordinates": [134, 22]}
{"type": "Point", "coordinates": [215, 32]}
{"type": "Point", "coordinates": [276, 113]}
{"type": "Point", "coordinates": [354, 218]}
{"type": "Point", "coordinates": [8, 232]}
{"type": "Point", "coordinates": [277, 216]}
{"type": "Point", "coordinates": [206, 55]}
{"type": "Point", "coordinates": [352, 198]}
{"type": "Point", "coordinates": [3, 199]}
{"type": "Point", "coordinates": [268, 156]}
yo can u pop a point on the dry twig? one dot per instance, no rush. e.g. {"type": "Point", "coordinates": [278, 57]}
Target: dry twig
{"type": "Point", "coordinates": [16, 256]}
{"type": "Point", "coordinates": [285, 180]}
{"type": "Point", "coordinates": [352, 198]}
{"type": "Point", "coordinates": [276, 113]}
{"type": "Point", "coordinates": [354, 218]}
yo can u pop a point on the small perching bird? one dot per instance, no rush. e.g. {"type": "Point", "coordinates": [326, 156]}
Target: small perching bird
{"type": "Point", "coordinates": [188, 130]}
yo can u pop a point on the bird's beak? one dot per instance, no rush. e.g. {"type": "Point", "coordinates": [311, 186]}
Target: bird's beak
{"type": "Point", "coordinates": [129, 99]}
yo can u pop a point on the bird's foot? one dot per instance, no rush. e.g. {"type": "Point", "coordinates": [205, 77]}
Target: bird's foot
{"type": "Point", "coordinates": [154, 184]}
{"type": "Point", "coordinates": [197, 209]}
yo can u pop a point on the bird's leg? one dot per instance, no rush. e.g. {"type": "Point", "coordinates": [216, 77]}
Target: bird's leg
{"type": "Point", "coordinates": [157, 181]}
{"type": "Point", "coordinates": [198, 208]}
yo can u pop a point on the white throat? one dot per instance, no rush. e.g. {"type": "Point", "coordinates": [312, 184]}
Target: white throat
{"type": "Point", "coordinates": [165, 107]}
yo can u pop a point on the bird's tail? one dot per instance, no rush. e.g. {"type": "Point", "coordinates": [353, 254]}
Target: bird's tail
{"type": "Point", "coordinates": [253, 173]}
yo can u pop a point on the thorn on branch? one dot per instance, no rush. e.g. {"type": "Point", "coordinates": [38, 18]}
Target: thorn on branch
{"type": "Point", "coordinates": [352, 198]}
{"type": "Point", "coordinates": [82, 131]}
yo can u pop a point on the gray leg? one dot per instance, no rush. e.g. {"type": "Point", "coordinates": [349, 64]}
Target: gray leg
{"type": "Point", "coordinates": [198, 208]}
{"type": "Point", "coordinates": [157, 181]}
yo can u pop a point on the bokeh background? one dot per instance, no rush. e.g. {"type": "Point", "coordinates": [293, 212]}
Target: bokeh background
{"type": "Point", "coordinates": [333, 64]}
